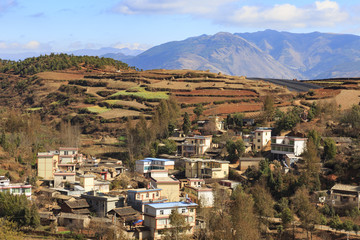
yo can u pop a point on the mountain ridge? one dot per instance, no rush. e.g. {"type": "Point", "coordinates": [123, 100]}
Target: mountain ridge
{"type": "Point", "coordinates": [267, 54]}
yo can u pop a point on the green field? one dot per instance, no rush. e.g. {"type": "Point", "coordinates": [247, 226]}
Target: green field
{"type": "Point", "coordinates": [142, 93]}
{"type": "Point", "coordinates": [97, 109]}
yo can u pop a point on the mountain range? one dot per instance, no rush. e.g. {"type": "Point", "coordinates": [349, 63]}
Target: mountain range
{"type": "Point", "coordinates": [266, 54]}
{"type": "Point", "coordinates": [263, 54]}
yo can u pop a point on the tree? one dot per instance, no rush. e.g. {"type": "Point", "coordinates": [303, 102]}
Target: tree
{"type": "Point", "coordinates": [235, 150]}
{"type": "Point", "coordinates": [198, 110]}
{"type": "Point", "coordinates": [311, 166]}
{"type": "Point", "coordinates": [245, 222]}
{"type": "Point", "coordinates": [306, 211]}
{"type": "Point", "coordinates": [269, 109]}
{"type": "Point", "coordinates": [329, 149]}
{"type": "Point", "coordinates": [178, 226]}
{"type": "Point", "coordinates": [220, 215]}
{"type": "Point", "coordinates": [9, 230]}
{"type": "Point", "coordinates": [315, 137]}
{"type": "Point", "coordinates": [263, 203]}
{"type": "Point", "coordinates": [167, 147]}
{"type": "Point", "coordinates": [289, 120]}
{"type": "Point", "coordinates": [286, 216]}
{"type": "Point", "coordinates": [186, 127]}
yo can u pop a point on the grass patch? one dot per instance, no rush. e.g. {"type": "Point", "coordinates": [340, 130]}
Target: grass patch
{"type": "Point", "coordinates": [34, 109]}
{"type": "Point", "coordinates": [112, 102]}
{"type": "Point", "coordinates": [55, 103]}
{"type": "Point", "coordinates": [2, 172]}
{"type": "Point", "coordinates": [141, 93]}
{"type": "Point", "coordinates": [97, 109]}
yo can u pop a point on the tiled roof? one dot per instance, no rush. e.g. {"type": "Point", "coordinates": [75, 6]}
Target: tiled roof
{"type": "Point", "coordinates": [82, 203]}
{"type": "Point", "coordinates": [344, 187]}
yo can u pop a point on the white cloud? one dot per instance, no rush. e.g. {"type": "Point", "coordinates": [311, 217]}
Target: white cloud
{"type": "Point", "coordinates": [324, 13]}
{"type": "Point", "coordinates": [320, 14]}
{"type": "Point", "coordinates": [19, 47]}
{"type": "Point", "coordinates": [32, 45]}
{"type": "Point", "coordinates": [132, 46]}
{"type": "Point", "coordinates": [197, 7]}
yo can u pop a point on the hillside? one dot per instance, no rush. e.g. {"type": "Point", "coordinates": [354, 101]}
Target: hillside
{"type": "Point", "coordinates": [100, 97]}
{"type": "Point", "coordinates": [267, 54]}
{"type": "Point", "coordinates": [88, 104]}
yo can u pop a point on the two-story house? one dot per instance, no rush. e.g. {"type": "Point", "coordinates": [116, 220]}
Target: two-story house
{"type": "Point", "coordinates": [206, 168]}
{"type": "Point", "coordinates": [196, 145]}
{"type": "Point", "coordinates": [14, 188]}
{"type": "Point", "coordinates": [282, 145]}
{"type": "Point", "coordinates": [146, 165]}
{"type": "Point", "coordinates": [137, 198]}
{"type": "Point", "coordinates": [157, 216]}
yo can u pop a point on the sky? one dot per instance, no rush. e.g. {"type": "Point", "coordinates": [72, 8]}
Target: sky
{"type": "Point", "coordinates": [65, 25]}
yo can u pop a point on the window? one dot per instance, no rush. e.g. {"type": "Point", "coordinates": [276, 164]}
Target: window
{"type": "Point", "coordinates": [64, 177]}
{"type": "Point", "coordinates": [161, 212]}
{"type": "Point", "coordinates": [258, 140]}
{"type": "Point", "coordinates": [258, 134]}
{"type": "Point", "coordinates": [147, 195]}
{"type": "Point", "coordinates": [16, 190]}
{"type": "Point", "coordinates": [258, 147]}
{"type": "Point", "coordinates": [66, 153]}
{"type": "Point", "coordinates": [191, 210]}
{"type": "Point", "coordinates": [183, 210]}
{"type": "Point", "coordinates": [190, 219]}
{"type": "Point", "coordinates": [137, 196]}
{"type": "Point", "coordinates": [157, 194]}
{"type": "Point", "coordinates": [162, 222]}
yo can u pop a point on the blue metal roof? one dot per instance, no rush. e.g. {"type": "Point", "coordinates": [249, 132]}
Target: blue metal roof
{"type": "Point", "coordinates": [146, 190]}
{"type": "Point", "coordinates": [158, 159]}
{"type": "Point", "coordinates": [172, 205]}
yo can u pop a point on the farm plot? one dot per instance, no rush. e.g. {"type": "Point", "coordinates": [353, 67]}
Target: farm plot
{"type": "Point", "coordinates": [233, 108]}
{"type": "Point", "coordinates": [141, 93]}
{"type": "Point", "coordinates": [324, 93]}
{"type": "Point", "coordinates": [119, 113]}
{"type": "Point", "coordinates": [217, 93]}
{"type": "Point", "coordinates": [132, 104]}
{"type": "Point", "coordinates": [60, 76]}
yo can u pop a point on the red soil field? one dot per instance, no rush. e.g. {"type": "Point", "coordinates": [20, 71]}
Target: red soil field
{"type": "Point", "coordinates": [325, 93]}
{"type": "Point", "coordinates": [215, 92]}
{"type": "Point", "coordinates": [195, 100]}
{"type": "Point", "coordinates": [233, 108]}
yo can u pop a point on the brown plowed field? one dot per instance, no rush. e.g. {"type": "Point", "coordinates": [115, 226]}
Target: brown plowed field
{"type": "Point", "coordinates": [195, 100]}
{"type": "Point", "coordinates": [216, 92]}
{"type": "Point", "coordinates": [233, 108]}
{"type": "Point", "coordinates": [325, 93]}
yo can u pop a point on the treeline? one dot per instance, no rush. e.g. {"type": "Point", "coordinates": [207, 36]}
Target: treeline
{"type": "Point", "coordinates": [53, 62]}
{"type": "Point", "coordinates": [18, 209]}
{"type": "Point", "coordinates": [143, 138]}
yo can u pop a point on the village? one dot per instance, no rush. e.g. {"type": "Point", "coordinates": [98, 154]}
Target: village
{"type": "Point", "coordinates": [95, 196]}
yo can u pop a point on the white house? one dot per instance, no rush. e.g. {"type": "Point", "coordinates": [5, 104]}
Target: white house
{"type": "Point", "coordinates": [196, 145]}
{"type": "Point", "coordinates": [146, 165]}
{"type": "Point", "coordinates": [156, 216]}
{"type": "Point", "coordinates": [261, 138]}
{"type": "Point", "coordinates": [282, 145]}
{"type": "Point", "coordinates": [14, 188]}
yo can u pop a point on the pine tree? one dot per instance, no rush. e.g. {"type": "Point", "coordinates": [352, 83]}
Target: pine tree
{"type": "Point", "coordinates": [186, 127]}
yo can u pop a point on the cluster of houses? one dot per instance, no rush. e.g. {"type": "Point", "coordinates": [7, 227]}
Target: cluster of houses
{"type": "Point", "coordinates": [76, 189]}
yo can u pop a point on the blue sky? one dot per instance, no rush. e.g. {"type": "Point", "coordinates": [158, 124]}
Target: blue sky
{"type": "Point", "coordinates": [50, 25]}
